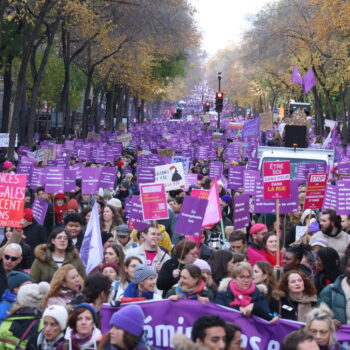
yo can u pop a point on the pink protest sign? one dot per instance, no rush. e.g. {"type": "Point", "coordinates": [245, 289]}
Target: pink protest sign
{"type": "Point", "coordinates": [276, 180]}
{"type": "Point", "coordinates": [153, 200]}
{"type": "Point", "coordinates": [12, 193]}
{"type": "Point", "coordinates": [316, 187]}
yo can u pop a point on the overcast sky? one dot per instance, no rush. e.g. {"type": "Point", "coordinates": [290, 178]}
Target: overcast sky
{"type": "Point", "coordinates": [224, 21]}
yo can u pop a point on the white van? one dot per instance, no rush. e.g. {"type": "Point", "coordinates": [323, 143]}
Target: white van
{"type": "Point", "coordinates": [295, 156]}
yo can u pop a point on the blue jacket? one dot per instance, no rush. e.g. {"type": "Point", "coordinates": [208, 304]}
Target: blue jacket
{"type": "Point", "coordinates": [261, 307]}
{"type": "Point", "coordinates": [7, 300]}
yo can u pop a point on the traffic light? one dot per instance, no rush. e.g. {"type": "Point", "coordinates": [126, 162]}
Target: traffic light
{"type": "Point", "coordinates": [219, 101]}
{"type": "Point", "coordinates": [206, 106]}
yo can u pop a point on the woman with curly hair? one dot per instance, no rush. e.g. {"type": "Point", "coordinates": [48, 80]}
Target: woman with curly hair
{"type": "Point", "coordinates": [294, 296]}
{"type": "Point", "coordinates": [66, 284]}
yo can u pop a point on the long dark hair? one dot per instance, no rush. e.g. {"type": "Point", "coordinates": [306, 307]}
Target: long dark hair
{"type": "Point", "coordinates": [130, 341]}
{"type": "Point", "coordinates": [218, 263]}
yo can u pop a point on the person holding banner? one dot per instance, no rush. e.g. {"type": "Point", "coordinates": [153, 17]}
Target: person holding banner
{"type": "Point", "coordinates": [243, 295]}
{"type": "Point", "coordinates": [191, 286]}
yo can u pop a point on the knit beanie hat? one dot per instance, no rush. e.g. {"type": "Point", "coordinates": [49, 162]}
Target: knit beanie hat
{"type": "Point", "coordinates": [59, 313]}
{"type": "Point", "coordinates": [90, 308]}
{"type": "Point", "coordinates": [28, 214]}
{"type": "Point", "coordinates": [202, 264]}
{"type": "Point", "coordinates": [115, 203]}
{"type": "Point", "coordinates": [32, 294]}
{"type": "Point", "coordinates": [257, 228]}
{"type": "Point", "coordinates": [16, 278]}
{"type": "Point", "coordinates": [142, 272]}
{"type": "Point", "coordinates": [7, 165]}
{"type": "Point", "coordinates": [113, 265]}
{"type": "Point", "coordinates": [226, 198]}
{"type": "Point", "coordinates": [73, 204]}
{"type": "Point", "coordinates": [129, 318]}
{"type": "Point", "coordinates": [319, 242]}
{"type": "Point", "coordinates": [314, 227]}
{"type": "Point", "coordinates": [305, 214]}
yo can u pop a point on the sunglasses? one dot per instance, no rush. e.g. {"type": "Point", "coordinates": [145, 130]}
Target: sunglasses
{"type": "Point", "coordinates": [12, 258]}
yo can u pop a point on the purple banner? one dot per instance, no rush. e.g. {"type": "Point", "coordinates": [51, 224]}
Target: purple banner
{"type": "Point", "coordinates": [235, 178]}
{"type": "Point", "coordinates": [343, 198]}
{"type": "Point", "coordinates": [241, 217]}
{"type": "Point", "coordinates": [91, 177]}
{"type": "Point", "coordinates": [54, 182]}
{"type": "Point", "coordinates": [165, 318]}
{"type": "Point", "coordinates": [190, 220]}
{"type": "Point", "coordinates": [216, 169]}
{"type": "Point", "coordinates": [145, 175]}
{"type": "Point", "coordinates": [39, 210]}
{"type": "Point", "coordinates": [107, 178]}
{"type": "Point", "coordinates": [330, 200]}
{"type": "Point", "coordinates": [69, 180]}
{"type": "Point", "coordinates": [251, 128]}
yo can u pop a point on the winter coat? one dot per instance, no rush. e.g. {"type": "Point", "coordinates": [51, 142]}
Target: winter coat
{"type": "Point", "coordinates": [44, 266]}
{"type": "Point", "coordinates": [35, 234]}
{"type": "Point", "coordinates": [165, 279]}
{"type": "Point", "coordinates": [90, 344]}
{"type": "Point", "coordinates": [333, 295]}
{"type": "Point", "coordinates": [206, 293]}
{"type": "Point", "coordinates": [261, 308]}
{"type": "Point", "coordinates": [7, 300]}
{"type": "Point", "coordinates": [3, 277]}
{"type": "Point", "coordinates": [36, 342]}
{"type": "Point", "coordinates": [161, 256]}
{"type": "Point", "coordinates": [18, 328]}
{"type": "Point", "coordinates": [129, 245]}
{"type": "Point", "coordinates": [64, 297]}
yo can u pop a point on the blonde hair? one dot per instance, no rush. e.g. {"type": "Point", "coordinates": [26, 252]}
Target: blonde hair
{"type": "Point", "coordinates": [325, 314]}
{"type": "Point", "coordinates": [59, 277]}
{"type": "Point", "coordinates": [241, 266]}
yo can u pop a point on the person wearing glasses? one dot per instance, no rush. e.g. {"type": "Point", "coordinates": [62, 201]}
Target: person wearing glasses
{"type": "Point", "coordinates": [58, 251]}
{"type": "Point", "coordinates": [243, 295]}
{"type": "Point", "coordinates": [11, 260]}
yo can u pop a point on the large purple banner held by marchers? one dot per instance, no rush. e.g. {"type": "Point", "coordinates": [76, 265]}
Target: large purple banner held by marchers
{"type": "Point", "coordinates": [165, 318]}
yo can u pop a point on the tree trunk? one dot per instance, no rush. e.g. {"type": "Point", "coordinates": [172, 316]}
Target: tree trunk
{"type": "Point", "coordinates": [28, 40]}
{"type": "Point", "coordinates": [318, 111]}
{"type": "Point", "coordinates": [37, 79]}
{"type": "Point", "coordinates": [94, 108]}
{"type": "Point", "coordinates": [126, 102]}
{"type": "Point", "coordinates": [87, 110]}
{"type": "Point", "coordinates": [6, 102]}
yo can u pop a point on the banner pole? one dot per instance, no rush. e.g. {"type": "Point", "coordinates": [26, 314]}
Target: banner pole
{"type": "Point", "coordinates": [223, 233]}
{"type": "Point", "coordinates": [278, 233]}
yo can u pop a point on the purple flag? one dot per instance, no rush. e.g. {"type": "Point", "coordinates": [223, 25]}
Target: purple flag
{"type": "Point", "coordinates": [190, 220]}
{"type": "Point", "coordinates": [296, 77]}
{"type": "Point", "coordinates": [39, 210]}
{"type": "Point", "coordinates": [309, 80]}
{"type": "Point", "coordinates": [251, 128]}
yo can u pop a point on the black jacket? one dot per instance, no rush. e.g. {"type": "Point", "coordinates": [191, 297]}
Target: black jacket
{"type": "Point", "coordinates": [261, 307]}
{"type": "Point", "coordinates": [3, 277]}
{"type": "Point", "coordinates": [165, 280]}
{"type": "Point", "coordinates": [35, 235]}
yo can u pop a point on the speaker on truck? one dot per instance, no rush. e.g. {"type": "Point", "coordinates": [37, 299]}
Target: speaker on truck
{"type": "Point", "coordinates": [295, 136]}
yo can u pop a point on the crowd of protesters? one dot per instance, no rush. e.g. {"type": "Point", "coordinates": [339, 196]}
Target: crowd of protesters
{"type": "Point", "coordinates": [48, 301]}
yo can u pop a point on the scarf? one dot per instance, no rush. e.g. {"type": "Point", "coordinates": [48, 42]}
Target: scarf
{"type": "Point", "coordinates": [304, 304]}
{"type": "Point", "coordinates": [242, 297]}
{"type": "Point", "coordinates": [190, 293]}
{"type": "Point", "coordinates": [43, 344]}
{"type": "Point", "coordinates": [86, 343]}
{"type": "Point", "coordinates": [132, 291]}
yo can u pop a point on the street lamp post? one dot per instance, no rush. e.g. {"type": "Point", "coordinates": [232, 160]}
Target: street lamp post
{"type": "Point", "coordinates": [219, 79]}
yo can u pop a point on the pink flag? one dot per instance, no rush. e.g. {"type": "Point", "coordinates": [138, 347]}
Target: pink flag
{"type": "Point", "coordinates": [213, 212]}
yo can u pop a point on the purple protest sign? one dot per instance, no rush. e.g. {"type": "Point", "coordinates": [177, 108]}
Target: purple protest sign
{"type": "Point", "coordinates": [249, 179]}
{"type": "Point", "coordinates": [241, 217]}
{"type": "Point", "coordinates": [91, 179]}
{"type": "Point", "coordinates": [39, 210]}
{"type": "Point", "coordinates": [251, 128]}
{"type": "Point", "coordinates": [136, 215]}
{"type": "Point", "coordinates": [235, 178]}
{"type": "Point", "coordinates": [330, 200]}
{"type": "Point", "coordinates": [25, 169]}
{"type": "Point", "coordinates": [107, 178]}
{"type": "Point", "coordinates": [216, 169]}
{"type": "Point", "coordinates": [38, 177]}
{"type": "Point", "coordinates": [165, 318]}
{"type": "Point", "coordinates": [145, 175]}
{"type": "Point", "coordinates": [190, 220]}
{"type": "Point", "coordinates": [69, 180]}
{"type": "Point", "coordinates": [343, 198]}
{"type": "Point", "coordinates": [343, 168]}
{"type": "Point", "coordinates": [78, 169]}
{"type": "Point", "coordinates": [54, 182]}
{"type": "Point", "coordinates": [253, 164]}
{"type": "Point", "coordinates": [262, 205]}
{"type": "Point", "coordinates": [290, 205]}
